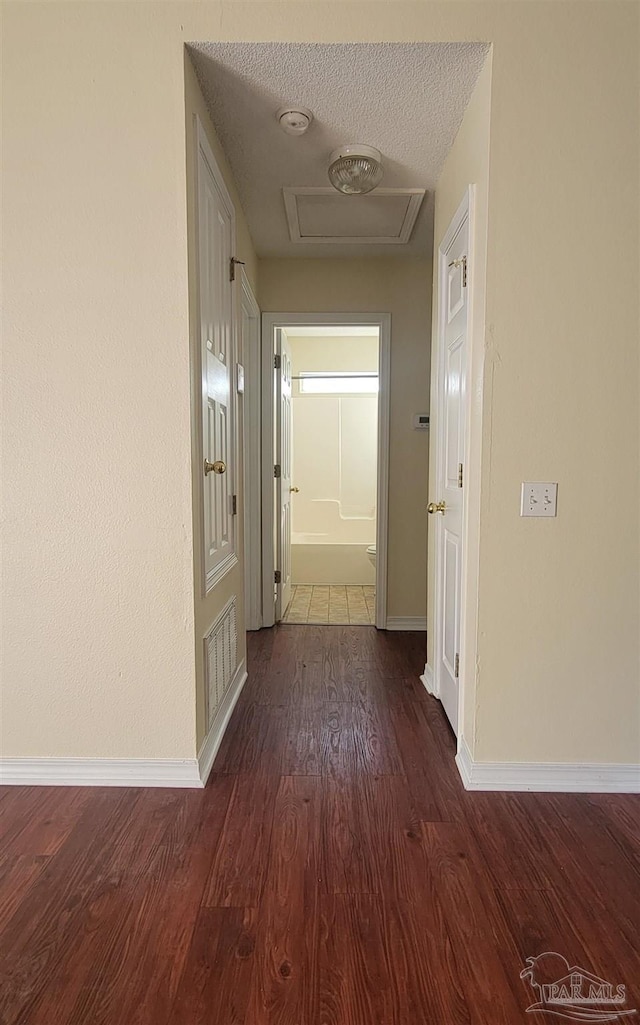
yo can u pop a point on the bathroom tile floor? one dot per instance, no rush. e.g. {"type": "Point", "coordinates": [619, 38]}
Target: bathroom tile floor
{"type": "Point", "coordinates": [332, 603]}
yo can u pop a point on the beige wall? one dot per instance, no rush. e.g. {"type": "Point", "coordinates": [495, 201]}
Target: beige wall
{"type": "Point", "coordinates": [401, 287]}
{"type": "Point", "coordinates": [553, 672]}
{"type": "Point", "coordinates": [98, 578]}
{"type": "Point", "coordinates": [350, 353]}
{"type": "Point", "coordinates": [208, 607]}
{"type": "Point", "coordinates": [98, 643]}
{"type": "Point", "coordinates": [559, 617]}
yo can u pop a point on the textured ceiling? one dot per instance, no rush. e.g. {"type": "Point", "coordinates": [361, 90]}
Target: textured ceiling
{"type": "Point", "coordinates": [407, 100]}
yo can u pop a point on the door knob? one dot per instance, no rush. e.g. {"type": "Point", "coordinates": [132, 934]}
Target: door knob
{"type": "Point", "coordinates": [435, 507]}
{"type": "Point", "coordinates": [217, 467]}
{"type": "Point", "coordinates": [294, 490]}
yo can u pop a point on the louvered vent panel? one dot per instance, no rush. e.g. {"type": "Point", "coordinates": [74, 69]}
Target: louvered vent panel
{"type": "Point", "coordinates": [221, 654]}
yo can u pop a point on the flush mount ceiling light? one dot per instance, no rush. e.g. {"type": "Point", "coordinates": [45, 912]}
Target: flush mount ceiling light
{"type": "Point", "coordinates": [294, 120]}
{"type": "Point", "coordinates": [355, 169]}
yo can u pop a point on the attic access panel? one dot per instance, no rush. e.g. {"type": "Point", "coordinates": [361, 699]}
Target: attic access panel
{"type": "Point", "coordinates": [386, 216]}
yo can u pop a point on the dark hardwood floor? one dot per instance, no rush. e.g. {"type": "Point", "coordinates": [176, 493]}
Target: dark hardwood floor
{"type": "Point", "coordinates": [333, 872]}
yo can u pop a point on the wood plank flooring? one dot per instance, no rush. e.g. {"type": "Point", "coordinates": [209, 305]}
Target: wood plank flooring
{"type": "Point", "coordinates": [333, 872]}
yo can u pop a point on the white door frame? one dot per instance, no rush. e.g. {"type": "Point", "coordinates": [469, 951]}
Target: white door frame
{"type": "Point", "coordinates": [252, 405]}
{"type": "Point", "coordinates": [466, 210]}
{"type": "Point", "coordinates": [270, 321]}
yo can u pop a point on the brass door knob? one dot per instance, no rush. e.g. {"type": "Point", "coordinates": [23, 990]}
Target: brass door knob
{"type": "Point", "coordinates": [294, 490]}
{"type": "Point", "coordinates": [435, 507]}
{"type": "Point", "coordinates": [217, 467]}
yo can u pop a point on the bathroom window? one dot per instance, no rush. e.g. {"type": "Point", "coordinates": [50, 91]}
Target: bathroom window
{"type": "Point", "coordinates": [338, 383]}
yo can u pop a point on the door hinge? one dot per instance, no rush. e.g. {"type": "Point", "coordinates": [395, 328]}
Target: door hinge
{"type": "Point", "coordinates": [277, 470]}
{"type": "Point", "coordinates": [461, 262]}
{"type": "Point", "coordinates": [232, 267]}
{"type": "Point", "coordinates": [460, 471]}
{"type": "Point", "coordinates": [456, 668]}
{"type": "Point", "coordinates": [277, 362]}
{"type": "Point", "coordinates": [234, 505]}
{"type": "Point", "coordinates": [277, 577]}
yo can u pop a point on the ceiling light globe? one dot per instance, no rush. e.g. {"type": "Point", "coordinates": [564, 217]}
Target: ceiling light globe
{"type": "Point", "coordinates": [355, 170]}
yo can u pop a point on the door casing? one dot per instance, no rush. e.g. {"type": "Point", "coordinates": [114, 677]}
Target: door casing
{"type": "Point", "coordinates": [271, 321]}
{"type": "Point", "coordinates": [251, 361]}
{"type": "Point", "coordinates": [283, 380]}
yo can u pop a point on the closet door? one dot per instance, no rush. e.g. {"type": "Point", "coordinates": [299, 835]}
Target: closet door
{"type": "Point", "coordinates": [216, 238]}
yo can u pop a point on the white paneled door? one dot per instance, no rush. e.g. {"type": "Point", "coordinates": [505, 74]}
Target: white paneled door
{"type": "Point", "coordinates": [216, 239]}
{"type": "Point", "coordinates": [447, 507]}
{"type": "Point", "coordinates": [283, 446]}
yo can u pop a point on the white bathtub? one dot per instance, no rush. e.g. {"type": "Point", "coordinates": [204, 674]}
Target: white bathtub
{"type": "Point", "coordinates": [331, 564]}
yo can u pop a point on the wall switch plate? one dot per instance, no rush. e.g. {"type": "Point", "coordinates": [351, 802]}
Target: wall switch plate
{"type": "Point", "coordinates": [538, 499]}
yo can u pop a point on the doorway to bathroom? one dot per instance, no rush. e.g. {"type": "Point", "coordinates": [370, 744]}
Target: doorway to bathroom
{"type": "Point", "coordinates": [325, 468]}
{"type": "Point", "coordinates": [334, 430]}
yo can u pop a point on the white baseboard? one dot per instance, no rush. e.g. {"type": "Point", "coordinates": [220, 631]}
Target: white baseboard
{"type": "Point", "coordinates": [464, 761]}
{"type": "Point", "coordinates": [209, 749]}
{"type": "Point", "coordinates": [428, 680]}
{"type": "Point", "coordinates": [100, 772]}
{"type": "Point", "coordinates": [550, 777]}
{"type": "Point", "coordinates": [126, 772]}
{"type": "Point", "coordinates": [406, 623]}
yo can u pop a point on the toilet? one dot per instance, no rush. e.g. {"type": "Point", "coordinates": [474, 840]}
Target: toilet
{"type": "Point", "coordinates": [371, 555]}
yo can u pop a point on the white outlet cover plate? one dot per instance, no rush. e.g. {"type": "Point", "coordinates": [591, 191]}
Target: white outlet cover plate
{"type": "Point", "coordinates": [538, 499]}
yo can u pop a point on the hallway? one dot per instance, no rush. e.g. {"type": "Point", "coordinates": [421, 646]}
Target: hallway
{"type": "Point", "coordinates": [333, 872]}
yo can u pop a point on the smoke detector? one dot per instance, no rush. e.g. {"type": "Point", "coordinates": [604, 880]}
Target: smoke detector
{"type": "Point", "coordinates": [355, 169]}
{"type": "Point", "coordinates": [294, 120]}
